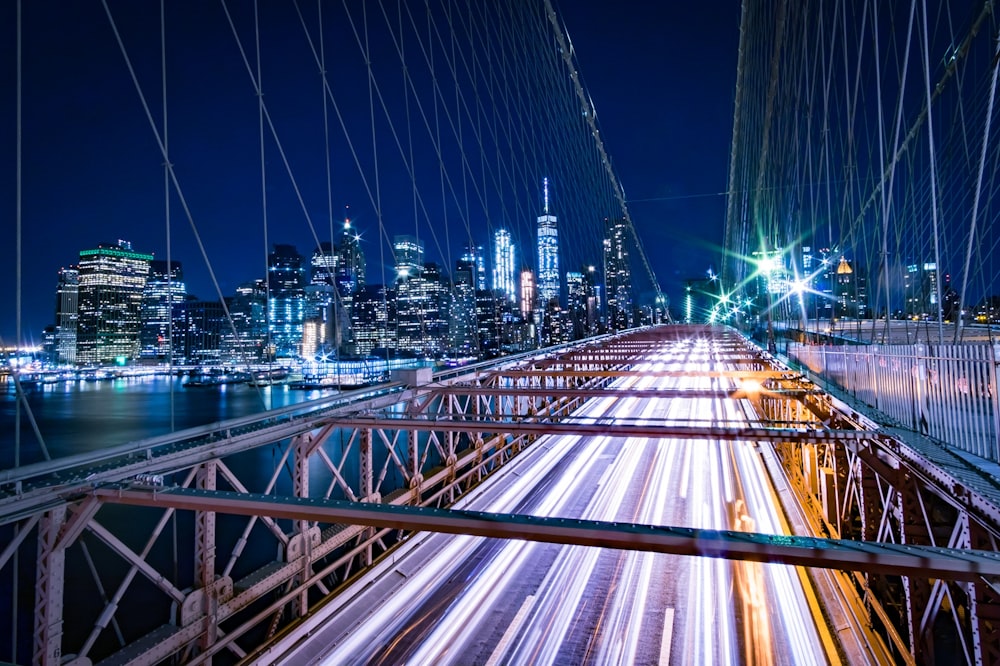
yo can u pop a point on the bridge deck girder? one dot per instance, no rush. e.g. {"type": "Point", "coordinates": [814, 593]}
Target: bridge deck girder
{"type": "Point", "coordinates": [865, 556]}
{"type": "Point", "coordinates": [609, 428]}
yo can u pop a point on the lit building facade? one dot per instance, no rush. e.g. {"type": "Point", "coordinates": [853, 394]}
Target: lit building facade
{"type": "Point", "coordinates": [932, 305]}
{"type": "Point", "coordinates": [618, 274]}
{"type": "Point", "coordinates": [286, 311]}
{"type": "Point", "coordinates": [701, 298]}
{"type": "Point", "coordinates": [111, 283]}
{"type": "Point", "coordinates": [350, 279]}
{"type": "Point", "coordinates": [323, 264]}
{"type": "Point", "coordinates": [462, 315]}
{"type": "Point", "coordinates": [315, 334]}
{"type": "Point", "coordinates": [350, 266]}
{"type": "Point", "coordinates": [548, 255]}
{"type": "Point", "coordinates": [504, 280]}
{"type": "Point", "coordinates": [528, 293]}
{"type": "Point", "coordinates": [581, 302]}
{"type": "Point", "coordinates": [165, 291]}
{"type": "Point", "coordinates": [67, 313]}
{"type": "Point", "coordinates": [246, 341]}
{"type": "Point", "coordinates": [422, 306]}
{"type": "Point", "coordinates": [850, 291]}
{"type": "Point", "coordinates": [204, 324]}
{"type": "Point", "coordinates": [318, 330]}
{"type": "Point", "coordinates": [920, 291]}
{"type": "Point", "coordinates": [474, 255]}
{"type": "Point", "coordinates": [409, 256]}
{"type": "Point", "coordinates": [490, 307]}
{"type": "Point", "coordinates": [372, 317]}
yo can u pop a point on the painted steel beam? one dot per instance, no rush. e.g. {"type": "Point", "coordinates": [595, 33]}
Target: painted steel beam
{"type": "Point", "coordinates": [609, 392]}
{"type": "Point", "coordinates": [733, 374]}
{"type": "Point", "coordinates": [608, 428]}
{"type": "Point", "coordinates": [868, 556]}
{"type": "Point", "coordinates": [642, 356]}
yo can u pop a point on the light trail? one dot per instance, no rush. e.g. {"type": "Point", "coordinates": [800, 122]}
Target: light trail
{"type": "Point", "coordinates": [475, 600]}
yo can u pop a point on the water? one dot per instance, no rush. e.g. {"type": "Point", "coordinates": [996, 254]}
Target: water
{"type": "Point", "coordinates": [79, 416]}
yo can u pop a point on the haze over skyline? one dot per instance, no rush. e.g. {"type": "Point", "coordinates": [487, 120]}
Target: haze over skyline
{"type": "Point", "coordinates": [91, 170]}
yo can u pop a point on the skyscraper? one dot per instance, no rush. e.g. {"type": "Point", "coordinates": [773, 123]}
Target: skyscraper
{"type": "Point", "coordinates": [409, 256]}
{"type": "Point", "coordinates": [929, 290]}
{"type": "Point", "coordinates": [318, 329]}
{"type": "Point", "coordinates": [245, 341]}
{"type": "Point", "coordinates": [204, 325]}
{"type": "Point", "coordinates": [287, 300]}
{"type": "Point", "coordinates": [67, 312]}
{"type": "Point", "coordinates": [617, 274]}
{"type": "Point", "coordinates": [422, 305]}
{"type": "Point", "coordinates": [528, 294]}
{"type": "Point", "coordinates": [503, 265]}
{"type": "Point", "coordinates": [350, 280]}
{"type": "Point", "coordinates": [374, 309]}
{"type": "Point", "coordinates": [581, 302]}
{"type": "Point", "coordinates": [476, 258]}
{"type": "Point", "coordinates": [111, 282]}
{"type": "Point", "coordinates": [489, 322]}
{"type": "Point", "coordinates": [164, 291]}
{"type": "Point", "coordinates": [548, 254]}
{"type": "Point", "coordinates": [324, 264]}
{"type": "Point", "coordinates": [350, 261]}
{"type": "Point", "coordinates": [462, 317]}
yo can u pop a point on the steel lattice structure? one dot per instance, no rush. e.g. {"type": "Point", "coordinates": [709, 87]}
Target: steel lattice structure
{"type": "Point", "coordinates": [395, 449]}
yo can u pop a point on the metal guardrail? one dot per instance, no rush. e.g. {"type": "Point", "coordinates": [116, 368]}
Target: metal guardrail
{"type": "Point", "coordinates": [208, 438]}
{"type": "Point", "coordinates": [948, 392]}
{"type": "Point", "coordinates": [150, 447]}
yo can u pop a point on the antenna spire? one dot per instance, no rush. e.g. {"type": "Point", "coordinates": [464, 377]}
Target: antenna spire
{"type": "Point", "coordinates": [545, 184]}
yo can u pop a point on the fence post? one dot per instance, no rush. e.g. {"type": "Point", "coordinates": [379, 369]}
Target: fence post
{"type": "Point", "coordinates": [922, 424]}
{"type": "Point", "coordinates": [995, 400]}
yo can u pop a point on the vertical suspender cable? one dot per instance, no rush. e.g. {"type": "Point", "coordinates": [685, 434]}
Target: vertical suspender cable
{"type": "Point", "coordinates": [887, 196]}
{"type": "Point", "coordinates": [166, 213]}
{"type": "Point", "coordinates": [930, 147]}
{"type": "Point", "coordinates": [263, 199]}
{"type": "Point", "coordinates": [170, 290]}
{"type": "Point", "coordinates": [378, 184]}
{"type": "Point", "coordinates": [15, 563]}
{"type": "Point", "coordinates": [331, 274]}
{"type": "Point", "coordinates": [979, 187]}
{"type": "Point", "coordinates": [17, 245]}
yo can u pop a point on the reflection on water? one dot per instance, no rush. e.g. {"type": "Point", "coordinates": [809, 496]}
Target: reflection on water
{"type": "Point", "coordinates": [84, 416]}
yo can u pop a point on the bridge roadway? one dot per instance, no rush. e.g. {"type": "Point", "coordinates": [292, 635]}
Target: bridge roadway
{"type": "Point", "coordinates": [461, 599]}
{"type": "Point", "coordinates": [676, 439]}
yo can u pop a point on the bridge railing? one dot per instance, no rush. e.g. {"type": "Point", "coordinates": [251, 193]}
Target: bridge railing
{"type": "Point", "coordinates": [948, 392]}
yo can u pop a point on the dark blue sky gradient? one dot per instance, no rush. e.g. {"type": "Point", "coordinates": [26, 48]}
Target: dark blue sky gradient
{"type": "Point", "coordinates": [661, 76]}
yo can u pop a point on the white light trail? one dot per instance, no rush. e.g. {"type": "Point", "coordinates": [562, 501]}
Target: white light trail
{"type": "Point", "coordinates": [559, 604]}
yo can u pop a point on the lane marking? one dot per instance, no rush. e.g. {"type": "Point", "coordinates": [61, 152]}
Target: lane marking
{"type": "Point", "coordinates": [508, 635]}
{"type": "Point", "coordinates": [668, 636]}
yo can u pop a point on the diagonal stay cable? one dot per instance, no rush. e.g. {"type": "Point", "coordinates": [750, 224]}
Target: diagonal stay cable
{"type": "Point", "coordinates": [172, 171]}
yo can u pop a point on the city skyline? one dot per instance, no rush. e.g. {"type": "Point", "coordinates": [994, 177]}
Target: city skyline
{"type": "Point", "coordinates": [916, 287]}
{"type": "Point", "coordinates": [118, 306]}
{"type": "Point", "coordinates": [123, 189]}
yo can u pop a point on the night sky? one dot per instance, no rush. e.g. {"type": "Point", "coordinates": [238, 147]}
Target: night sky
{"type": "Point", "coordinates": [660, 74]}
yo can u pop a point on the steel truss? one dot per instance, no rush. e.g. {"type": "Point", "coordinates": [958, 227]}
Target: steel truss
{"type": "Point", "coordinates": [222, 596]}
{"type": "Point", "coordinates": [237, 580]}
{"type": "Point", "coordinates": [881, 488]}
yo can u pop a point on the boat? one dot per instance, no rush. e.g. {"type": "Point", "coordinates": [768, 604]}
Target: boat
{"type": "Point", "coordinates": [214, 377]}
{"type": "Point", "coordinates": [315, 383]}
{"type": "Point", "coordinates": [268, 377]}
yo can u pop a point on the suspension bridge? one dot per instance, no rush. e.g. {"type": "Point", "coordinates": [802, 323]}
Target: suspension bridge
{"type": "Point", "coordinates": [811, 474]}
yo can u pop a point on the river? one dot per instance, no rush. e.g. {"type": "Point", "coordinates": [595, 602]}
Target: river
{"type": "Point", "coordinates": [80, 416]}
